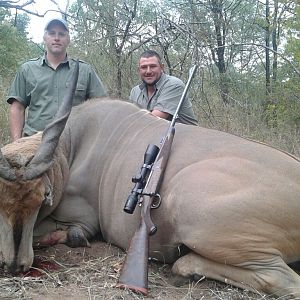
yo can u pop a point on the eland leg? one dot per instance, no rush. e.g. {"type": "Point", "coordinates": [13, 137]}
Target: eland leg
{"type": "Point", "coordinates": [50, 232]}
{"type": "Point", "coordinates": [271, 276]}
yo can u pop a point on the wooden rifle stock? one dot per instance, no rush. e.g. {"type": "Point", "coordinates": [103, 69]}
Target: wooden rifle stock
{"type": "Point", "coordinates": [134, 274]}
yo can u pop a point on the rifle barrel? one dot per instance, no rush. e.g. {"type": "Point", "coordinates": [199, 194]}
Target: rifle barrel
{"type": "Point", "coordinates": [134, 274]}
{"type": "Point", "coordinates": [192, 72]}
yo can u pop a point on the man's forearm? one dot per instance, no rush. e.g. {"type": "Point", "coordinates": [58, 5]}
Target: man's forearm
{"type": "Point", "coordinates": [160, 114]}
{"type": "Point", "coordinates": [16, 120]}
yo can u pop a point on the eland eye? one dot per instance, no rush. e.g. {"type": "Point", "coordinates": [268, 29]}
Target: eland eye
{"type": "Point", "coordinates": [48, 199]}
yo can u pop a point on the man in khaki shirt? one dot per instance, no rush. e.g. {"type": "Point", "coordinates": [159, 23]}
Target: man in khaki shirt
{"type": "Point", "coordinates": [40, 84]}
{"type": "Point", "coordinates": [160, 93]}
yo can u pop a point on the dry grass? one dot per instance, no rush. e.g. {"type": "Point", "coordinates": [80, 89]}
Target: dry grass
{"type": "Point", "coordinates": [235, 119]}
{"type": "Point", "coordinates": [249, 123]}
{"type": "Point", "coordinates": [92, 273]}
{"type": "Point", "coordinates": [4, 129]}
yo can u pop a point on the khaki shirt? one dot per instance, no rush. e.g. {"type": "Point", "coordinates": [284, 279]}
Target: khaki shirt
{"type": "Point", "coordinates": [41, 88]}
{"type": "Point", "coordinates": [166, 98]}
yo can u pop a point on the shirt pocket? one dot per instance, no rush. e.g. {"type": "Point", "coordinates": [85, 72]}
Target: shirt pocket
{"type": "Point", "coordinates": [80, 93]}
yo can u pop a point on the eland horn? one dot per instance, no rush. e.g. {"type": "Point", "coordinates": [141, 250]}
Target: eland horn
{"type": "Point", "coordinates": [43, 158]}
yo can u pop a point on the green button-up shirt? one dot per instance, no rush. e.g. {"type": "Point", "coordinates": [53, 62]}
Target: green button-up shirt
{"type": "Point", "coordinates": [41, 88]}
{"type": "Point", "coordinates": [168, 91]}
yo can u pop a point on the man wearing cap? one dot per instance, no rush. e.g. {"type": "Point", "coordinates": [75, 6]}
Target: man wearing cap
{"type": "Point", "coordinates": [40, 84]}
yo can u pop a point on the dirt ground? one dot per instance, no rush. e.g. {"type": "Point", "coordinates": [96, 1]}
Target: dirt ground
{"type": "Point", "coordinates": [92, 273]}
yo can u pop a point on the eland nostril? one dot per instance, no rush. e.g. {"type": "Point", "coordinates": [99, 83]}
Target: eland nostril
{"type": "Point", "coordinates": [5, 267]}
{"type": "Point", "coordinates": [24, 268]}
{"type": "Point", "coordinates": [14, 269]}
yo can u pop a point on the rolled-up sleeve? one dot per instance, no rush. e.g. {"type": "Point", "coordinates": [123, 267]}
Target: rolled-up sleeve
{"type": "Point", "coordinates": [18, 89]}
{"type": "Point", "coordinates": [169, 98]}
{"type": "Point", "coordinates": [96, 87]}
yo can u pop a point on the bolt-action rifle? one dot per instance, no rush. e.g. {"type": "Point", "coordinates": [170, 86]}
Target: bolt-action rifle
{"type": "Point", "coordinates": [134, 274]}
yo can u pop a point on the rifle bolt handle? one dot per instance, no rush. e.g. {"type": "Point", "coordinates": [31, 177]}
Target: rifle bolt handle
{"type": "Point", "coordinates": [137, 178]}
{"type": "Point", "coordinates": [153, 230]}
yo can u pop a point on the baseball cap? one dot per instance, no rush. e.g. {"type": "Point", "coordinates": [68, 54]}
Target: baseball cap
{"type": "Point", "coordinates": [57, 21]}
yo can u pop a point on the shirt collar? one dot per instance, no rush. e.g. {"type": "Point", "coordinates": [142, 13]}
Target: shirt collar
{"type": "Point", "coordinates": [44, 60]}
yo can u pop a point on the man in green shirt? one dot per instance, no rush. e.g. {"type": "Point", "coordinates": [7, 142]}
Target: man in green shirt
{"type": "Point", "coordinates": [160, 93]}
{"type": "Point", "coordinates": [40, 84]}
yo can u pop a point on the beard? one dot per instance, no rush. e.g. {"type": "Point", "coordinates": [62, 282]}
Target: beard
{"type": "Point", "coordinates": [153, 82]}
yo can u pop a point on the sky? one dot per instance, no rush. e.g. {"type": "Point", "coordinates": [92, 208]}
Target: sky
{"type": "Point", "coordinates": [37, 24]}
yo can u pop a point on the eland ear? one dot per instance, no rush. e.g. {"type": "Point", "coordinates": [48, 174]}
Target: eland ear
{"type": "Point", "coordinates": [43, 158]}
{"type": "Point", "coordinates": [6, 170]}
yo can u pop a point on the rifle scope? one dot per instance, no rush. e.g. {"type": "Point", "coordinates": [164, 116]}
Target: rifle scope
{"type": "Point", "coordinates": [140, 180]}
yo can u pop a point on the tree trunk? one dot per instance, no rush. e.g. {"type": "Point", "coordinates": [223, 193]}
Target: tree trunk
{"type": "Point", "coordinates": [220, 31]}
{"type": "Point", "coordinates": [275, 33]}
{"type": "Point", "coordinates": [267, 51]}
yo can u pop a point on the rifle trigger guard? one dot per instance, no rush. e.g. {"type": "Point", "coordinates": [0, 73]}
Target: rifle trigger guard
{"type": "Point", "coordinates": [156, 203]}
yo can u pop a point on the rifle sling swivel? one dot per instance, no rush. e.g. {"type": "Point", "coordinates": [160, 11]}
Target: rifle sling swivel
{"type": "Point", "coordinates": [156, 200]}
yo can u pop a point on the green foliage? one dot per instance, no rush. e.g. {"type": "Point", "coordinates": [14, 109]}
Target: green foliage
{"type": "Point", "coordinates": [10, 54]}
{"type": "Point", "coordinates": [15, 48]}
{"type": "Point", "coordinates": [293, 41]}
{"type": "Point", "coordinates": [185, 33]}
{"type": "Point", "coordinates": [4, 14]}
{"type": "Point", "coordinates": [14, 45]}
{"type": "Point", "coordinates": [111, 34]}
{"type": "Point", "coordinates": [21, 23]}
